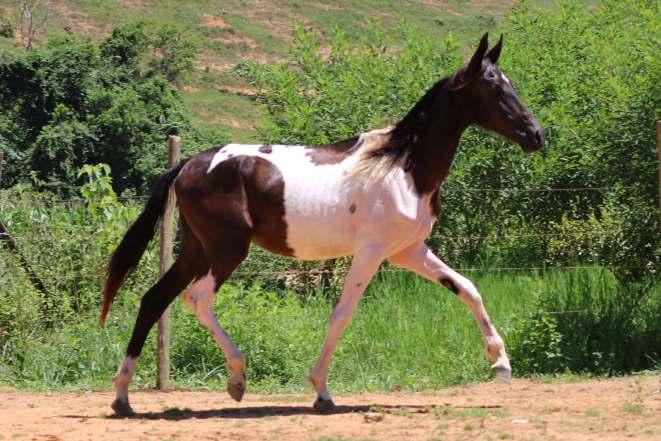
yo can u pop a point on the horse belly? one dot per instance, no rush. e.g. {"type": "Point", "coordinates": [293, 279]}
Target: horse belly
{"type": "Point", "coordinates": [317, 239]}
{"type": "Point", "coordinates": [319, 220]}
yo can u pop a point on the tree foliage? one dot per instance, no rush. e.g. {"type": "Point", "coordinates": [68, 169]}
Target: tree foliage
{"type": "Point", "coordinates": [593, 87]}
{"type": "Point", "coordinates": [72, 103]}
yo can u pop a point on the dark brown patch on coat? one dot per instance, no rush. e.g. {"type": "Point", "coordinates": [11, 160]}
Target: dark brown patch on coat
{"type": "Point", "coordinates": [352, 208]}
{"type": "Point", "coordinates": [265, 149]}
{"type": "Point", "coordinates": [359, 284]}
{"type": "Point", "coordinates": [244, 194]}
{"type": "Point", "coordinates": [449, 284]}
{"type": "Point", "coordinates": [332, 153]}
{"type": "Point", "coordinates": [265, 189]}
{"type": "Point", "coordinates": [206, 199]}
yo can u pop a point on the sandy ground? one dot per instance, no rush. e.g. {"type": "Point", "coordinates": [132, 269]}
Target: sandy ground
{"type": "Point", "coordinates": [616, 409]}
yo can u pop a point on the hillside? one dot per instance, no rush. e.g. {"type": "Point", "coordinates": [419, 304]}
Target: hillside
{"type": "Point", "coordinates": [229, 31]}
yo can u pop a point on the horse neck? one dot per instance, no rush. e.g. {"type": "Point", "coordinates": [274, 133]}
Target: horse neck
{"type": "Point", "coordinates": [435, 143]}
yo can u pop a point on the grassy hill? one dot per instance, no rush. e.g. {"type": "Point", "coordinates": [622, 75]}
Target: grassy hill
{"type": "Point", "coordinates": [231, 30]}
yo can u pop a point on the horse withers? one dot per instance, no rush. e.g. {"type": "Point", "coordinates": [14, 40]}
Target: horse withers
{"type": "Point", "coordinates": [373, 197]}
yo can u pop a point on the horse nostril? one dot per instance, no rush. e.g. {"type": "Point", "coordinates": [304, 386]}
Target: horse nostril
{"type": "Point", "coordinates": [539, 138]}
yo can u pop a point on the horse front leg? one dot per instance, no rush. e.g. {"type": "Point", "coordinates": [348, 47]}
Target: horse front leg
{"type": "Point", "coordinates": [365, 263]}
{"type": "Point", "coordinates": [421, 260]}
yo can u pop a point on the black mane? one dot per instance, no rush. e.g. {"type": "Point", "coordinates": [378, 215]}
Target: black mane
{"type": "Point", "coordinates": [417, 116]}
{"type": "Point", "coordinates": [403, 133]}
{"type": "Point", "coordinates": [402, 136]}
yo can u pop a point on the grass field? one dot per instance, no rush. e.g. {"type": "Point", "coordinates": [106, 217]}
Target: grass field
{"type": "Point", "coordinates": [407, 333]}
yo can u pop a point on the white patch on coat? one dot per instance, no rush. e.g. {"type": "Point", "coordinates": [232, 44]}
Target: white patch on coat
{"type": "Point", "coordinates": [320, 223]}
{"type": "Point", "coordinates": [506, 79]}
{"type": "Point", "coordinates": [199, 298]}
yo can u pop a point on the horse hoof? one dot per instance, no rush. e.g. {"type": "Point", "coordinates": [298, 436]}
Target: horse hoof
{"type": "Point", "coordinates": [122, 408]}
{"type": "Point", "coordinates": [323, 406]}
{"type": "Point", "coordinates": [236, 389]}
{"type": "Point", "coordinates": [502, 373]}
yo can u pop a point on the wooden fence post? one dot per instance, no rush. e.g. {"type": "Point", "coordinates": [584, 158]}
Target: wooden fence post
{"type": "Point", "coordinates": [658, 155]}
{"type": "Point", "coordinates": [163, 340]}
{"type": "Point", "coordinates": [1, 159]}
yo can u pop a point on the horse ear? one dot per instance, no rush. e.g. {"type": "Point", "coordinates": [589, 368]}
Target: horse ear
{"type": "Point", "coordinates": [475, 64]}
{"type": "Point", "coordinates": [494, 53]}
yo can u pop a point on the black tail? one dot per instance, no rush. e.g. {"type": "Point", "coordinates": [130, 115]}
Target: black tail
{"type": "Point", "coordinates": [129, 251]}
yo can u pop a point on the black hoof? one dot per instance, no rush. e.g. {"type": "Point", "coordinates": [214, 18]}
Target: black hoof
{"type": "Point", "coordinates": [122, 408]}
{"type": "Point", "coordinates": [236, 390]}
{"type": "Point", "coordinates": [323, 406]}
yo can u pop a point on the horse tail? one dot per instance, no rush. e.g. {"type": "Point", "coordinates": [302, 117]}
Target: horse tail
{"type": "Point", "coordinates": [129, 251]}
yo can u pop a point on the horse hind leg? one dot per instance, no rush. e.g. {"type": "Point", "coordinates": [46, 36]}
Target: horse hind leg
{"type": "Point", "coordinates": [199, 298]}
{"type": "Point", "coordinates": [152, 305]}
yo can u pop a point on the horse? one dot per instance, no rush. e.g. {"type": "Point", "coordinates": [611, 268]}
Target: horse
{"type": "Point", "coordinates": [373, 197]}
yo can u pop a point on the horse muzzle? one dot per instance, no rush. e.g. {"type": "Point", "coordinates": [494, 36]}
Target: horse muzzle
{"type": "Point", "coordinates": [531, 137]}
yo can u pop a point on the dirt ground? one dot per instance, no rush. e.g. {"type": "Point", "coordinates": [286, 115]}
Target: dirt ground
{"type": "Point", "coordinates": [616, 409]}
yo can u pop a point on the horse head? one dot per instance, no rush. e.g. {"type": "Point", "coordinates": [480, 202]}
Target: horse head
{"type": "Point", "coordinates": [493, 100]}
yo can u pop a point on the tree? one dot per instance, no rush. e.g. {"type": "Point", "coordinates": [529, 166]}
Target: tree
{"type": "Point", "coordinates": [33, 17]}
{"type": "Point", "coordinates": [71, 102]}
{"type": "Point", "coordinates": [176, 53]}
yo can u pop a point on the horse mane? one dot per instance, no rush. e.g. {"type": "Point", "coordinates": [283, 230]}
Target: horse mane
{"type": "Point", "coordinates": [384, 149]}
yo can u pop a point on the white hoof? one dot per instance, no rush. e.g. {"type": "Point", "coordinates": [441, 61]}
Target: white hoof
{"type": "Point", "coordinates": [502, 371]}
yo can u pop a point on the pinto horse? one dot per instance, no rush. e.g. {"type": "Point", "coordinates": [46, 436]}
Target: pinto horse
{"type": "Point", "coordinates": [373, 197]}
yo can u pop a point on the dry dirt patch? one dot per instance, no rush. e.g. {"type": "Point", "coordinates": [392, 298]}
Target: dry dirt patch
{"type": "Point", "coordinates": [617, 409]}
{"type": "Point", "coordinates": [211, 21]}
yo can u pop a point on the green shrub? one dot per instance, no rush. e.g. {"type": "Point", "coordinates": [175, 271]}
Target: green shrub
{"type": "Point", "coordinates": [6, 27]}
{"type": "Point", "coordinates": [71, 103]}
{"type": "Point", "coordinates": [587, 321]}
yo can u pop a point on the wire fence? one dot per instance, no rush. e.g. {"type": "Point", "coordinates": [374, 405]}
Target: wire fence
{"type": "Point", "coordinates": [486, 238]}
{"type": "Point", "coordinates": [311, 274]}
{"type": "Point", "coordinates": [483, 238]}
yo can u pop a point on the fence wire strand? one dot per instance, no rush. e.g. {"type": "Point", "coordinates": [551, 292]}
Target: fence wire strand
{"type": "Point", "coordinates": [23, 240]}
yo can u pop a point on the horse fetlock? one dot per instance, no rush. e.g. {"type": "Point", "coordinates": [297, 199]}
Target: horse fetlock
{"type": "Point", "coordinates": [495, 348]}
{"type": "Point", "coordinates": [318, 382]}
{"type": "Point", "coordinates": [323, 403]}
{"type": "Point", "coordinates": [121, 384]}
{"type": "Point", "coordinates": [236, 364]}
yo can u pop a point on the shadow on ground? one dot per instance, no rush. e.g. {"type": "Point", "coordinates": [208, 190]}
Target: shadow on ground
{"type": "Point", "coordinates": [176, 414]}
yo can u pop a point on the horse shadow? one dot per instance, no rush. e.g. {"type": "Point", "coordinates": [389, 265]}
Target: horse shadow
{"type": "Point", "coordinates": [256, 412]}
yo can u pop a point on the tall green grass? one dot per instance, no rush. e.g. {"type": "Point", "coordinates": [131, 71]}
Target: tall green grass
{"type": "Point", "coordinates": [407, 332]}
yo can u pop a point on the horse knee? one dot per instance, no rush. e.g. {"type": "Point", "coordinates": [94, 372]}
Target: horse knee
{"type": "Point", "coordinates": [471, 292]}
